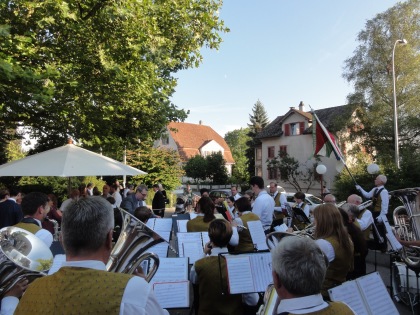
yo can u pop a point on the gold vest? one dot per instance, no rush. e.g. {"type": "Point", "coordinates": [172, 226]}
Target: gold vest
{"type": "Point", "coordinates": [338, 268]}
{"type": "Point", "coordinates": [378, 204]}
{"type": "Point", "coordinates": [73, 290]}
{"type": "Point", "coordinates": [212, 301]}
{"type": "Point", "coordinates": [198, 225]}
{"type": "Point", "coordinates": [278, 214]}
{"type": "Point", "coordinates": [333, 309]}
{"type": "Point", "coordinates": [245, 240]}
{"type": "Point", "coordinates": [30, 227]}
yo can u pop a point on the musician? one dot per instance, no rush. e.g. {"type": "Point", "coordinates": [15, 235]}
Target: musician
{"type": "Point", "coordinates": [212, 291]}
{"type": "Point", "coordinates": [299, 269]}
{"type": "Point", "coordinates": [82, 285]}
{"type": "Point", "coordinates": [264, 203]}
{"type": "Point", "coordinates": [359, 243]}
{"type": "Point", "coordinates": [300, 204]}
{"type": "Point", "coordinates": [333, 239]}
{"type": "Point", "coordinates": [280, 201]}
{"type": "Point", "coordinates": [205, 215]}
{"type": "Point", "coordinates": [35, 207]}
{"type": "Point", "coordinates": [380, 202]}
{"type": "Point", "coordinates": [245, 215]}
{"type": "Point", "coordinates": [329, 198]}
{"type": "Point", "coordinates": [363, 217]}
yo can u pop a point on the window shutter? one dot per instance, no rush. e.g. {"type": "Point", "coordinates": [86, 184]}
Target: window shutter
{"type": "Point", "coordinates": [287, 130]}
{"type": "Point", "coordinates": [302, 127]}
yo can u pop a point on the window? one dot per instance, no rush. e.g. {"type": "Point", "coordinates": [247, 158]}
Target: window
{"type": "Point", "coordinates": [258, 171]}
{"type": "Point", "coordinates": [271, 152]}
{"type": "Point", "coordinates": [283, 150]}
{"type": "Point", "coordinates": [165, 139]}
{"type": "Point", "coordinates": [259, 154]}
{"type": "Point", "coordinates": [294, 129]}
{"type": "Point", "coordinates": [272, 173]}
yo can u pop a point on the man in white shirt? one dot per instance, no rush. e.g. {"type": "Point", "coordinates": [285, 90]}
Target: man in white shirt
{"type": "Point", "coordinates": [35, 207]}
{"type": "Point", "coordinates": [234, 191]}
{"type": "Point", "coordinates": [364, 217]}
{"type": "Point", "coordinates": [264, 203]}
{"type": "Point", "coordinates": [82, 283]}
{"type": "Point", "coordinates": [299, 269]}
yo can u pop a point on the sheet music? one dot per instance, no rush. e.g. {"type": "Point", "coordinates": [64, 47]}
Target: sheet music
{"type": "Point", "coordinates": [261, 270]}
{"type": "Point", "coordinates": [172, 294]}
{"type": "Point", "coordinates": [205, 237]}
{"type": "Point", "coordinates": [376, 294]}
{"type": "Point", "coordinates": [240, 274]}
{"type": "Point", "coordinates": [57, 263]}
{"type": "Point", "coordinates": [193, 250]}
{"type": "Point", "coordinates": [171, 270]}
{"type": "Point", "coordinates": [163, 225]}
{"type": "Point", "coordinates": [281, 228]}
{"type": "Point", "coordinates": [160, 249]}
{"type": "Point", "coordinates": [187, 237]}
{"type": "Point", "coordinates": [349, 293]}
{"type": "Point", "coordinates": [257, 234]}
{"type": "Point", "coordinates": [182, 226]}
{"type": "Point", "coordinates": [151, 223]}
{"type": "Point", "coordinates": [166, 235]}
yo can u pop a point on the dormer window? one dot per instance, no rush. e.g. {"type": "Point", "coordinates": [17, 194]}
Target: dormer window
{"type": "Point", "coordinates": [294, 129]}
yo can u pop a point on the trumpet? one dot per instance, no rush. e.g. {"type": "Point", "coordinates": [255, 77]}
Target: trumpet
{"type": "Point", "coordinates": [131, 249]}
{"type": "Point", "coordinates": [22, 256]}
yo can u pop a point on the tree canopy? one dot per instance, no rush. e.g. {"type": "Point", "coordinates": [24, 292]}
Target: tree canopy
{"type": "Point", "coordinates": [99, 71]}
{"type": "Point", "coordinates": [237, 142]}
{"type": "Point", "coordinates": [370, 71]}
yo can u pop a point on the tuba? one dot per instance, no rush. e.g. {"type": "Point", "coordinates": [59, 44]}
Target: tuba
{"type": "Point", "coordinates": [407, 224]}
{"type": "Point", "coordinates": [132, 248]}
{"type": "Point", "coordinates": [22, 256]}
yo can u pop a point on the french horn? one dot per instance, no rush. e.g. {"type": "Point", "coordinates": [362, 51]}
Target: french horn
{"type": "Point", "coordinates": [22, 256]}
{"type": "Point", "coordinates": [133, 247]}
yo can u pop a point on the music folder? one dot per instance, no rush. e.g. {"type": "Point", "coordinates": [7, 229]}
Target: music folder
{"type": "Point", "coordinates": [366, 295]}
{"type": "Point", "coordinates": [300, 215]}
{"type": "Point", "coordinates": [248, 273]}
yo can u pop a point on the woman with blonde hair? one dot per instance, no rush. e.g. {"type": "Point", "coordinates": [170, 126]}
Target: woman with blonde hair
{"type": "Point", "coordinates": [333, 239]}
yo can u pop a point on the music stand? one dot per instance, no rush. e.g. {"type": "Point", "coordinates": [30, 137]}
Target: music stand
{"type": "Point", "coordinates": [299, 215]}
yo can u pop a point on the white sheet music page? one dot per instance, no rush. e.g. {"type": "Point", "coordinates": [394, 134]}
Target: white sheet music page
{"type": "Point", "coordinates": [261, 270]}
{"type": "Point", "coordinates": [257, 234]}
{"type": "Point", "coordinates": [193, 250]}
{"type": "Point", "coordinates": [160, 249]}
{"type": "Point", "coordinates": [182, 225]}
{"type": "Point", "coordinates": [193, 215]}
{"type": "Point", "coordinates": [188, 237]}
{"type": "Point", "coordinates": [163, 225]}
{"type": "Point", "coordinates": [205, 237]}
{"type": "Point", "coordinates": [166, 235]}
{"type": "Point", "coordinates": [376, 294]}
{"type": "Point", "coordinates": [151, 223]}
{"type": "Point", "coordinates": [349, 293]}
{"type": "Point", "coordinates": [240, 274]}
{"type": "Point", "coordinates": [171, 270]}
{"type": "Point", "coordinates": [172, 294]}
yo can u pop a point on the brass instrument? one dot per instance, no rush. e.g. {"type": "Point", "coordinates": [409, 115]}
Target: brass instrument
{"type": "Point", "coordinates": [365, 205]}
{"type": "Point", "coordinates": [130, 250]}
{"type": "Point", "coordinates": [269, 301]}
{"type": "Point", "coordinates": [407, 224]}
{"type": "Point", "coordinates": [22, 256]}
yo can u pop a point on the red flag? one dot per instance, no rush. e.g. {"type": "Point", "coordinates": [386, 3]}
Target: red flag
{"type": "Point", "coordinates": [324, 139]}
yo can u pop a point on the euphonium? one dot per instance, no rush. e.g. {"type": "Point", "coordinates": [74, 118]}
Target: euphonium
{"type": "Point", "coordinates": [130, 250]}
{"type": "Point", "coordinates": [407, 224]}
{"type": "Point", "coordinates": [22, 256]}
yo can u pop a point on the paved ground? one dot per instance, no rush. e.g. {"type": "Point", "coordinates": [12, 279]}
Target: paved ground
{"type": "Point", "coordinates": [380, 263]}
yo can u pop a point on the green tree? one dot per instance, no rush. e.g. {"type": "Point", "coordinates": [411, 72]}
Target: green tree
{"type": "Point", "coordinates": [293, 172]}
{"type": "Point", "coordinates": [237, 142]}
{"type": "Point", "coordinates": [369, 70]}
{"type": "Point", "coordinates": [216, 169]}
{"type": "Point", "coordinates": [99, 71]}
{"type": "Point", "coordinates": [162, 166]}
{"type": "Point", "coordinates": [258, 121]}
{"type": "Point", "coordinates": [196, 168]}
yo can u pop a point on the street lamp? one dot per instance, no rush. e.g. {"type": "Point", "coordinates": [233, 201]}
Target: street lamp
{"type": "Point", "coordinates": [321, 170]}
{"type": "Point", "coordinates": [397, 150]}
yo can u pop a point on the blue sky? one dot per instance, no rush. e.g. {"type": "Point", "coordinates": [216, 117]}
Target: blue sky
{"type": "Point", "coordinates": [279, 52]}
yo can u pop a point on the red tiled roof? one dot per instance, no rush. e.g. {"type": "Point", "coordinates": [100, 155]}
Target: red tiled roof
{"type": "Point", "coordinates": [191, 137]}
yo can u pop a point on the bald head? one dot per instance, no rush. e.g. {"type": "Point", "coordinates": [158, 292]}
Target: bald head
{"type": "Point", "coordinates": [354, 199]}
{"type": "Point", "coordinates": [380, 180]}
{"type": "Point", "coordinates": [329, 198]}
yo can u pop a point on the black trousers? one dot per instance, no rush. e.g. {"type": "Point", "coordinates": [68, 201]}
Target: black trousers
{"type": "Point", "coordinates": [382, 232]}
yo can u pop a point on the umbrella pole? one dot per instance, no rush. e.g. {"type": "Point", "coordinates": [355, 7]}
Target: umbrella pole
{"type": "Point", "coordinates": [69, 186]}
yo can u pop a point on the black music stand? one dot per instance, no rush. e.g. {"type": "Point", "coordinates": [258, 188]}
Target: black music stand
{"type": "Point", "coordinates": [300, 216]}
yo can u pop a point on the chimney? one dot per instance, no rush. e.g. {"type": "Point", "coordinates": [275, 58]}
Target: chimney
{"type": "Point", "coordinates": [200, 122]}
{"type": "Point", "coordinates": [301, 106]}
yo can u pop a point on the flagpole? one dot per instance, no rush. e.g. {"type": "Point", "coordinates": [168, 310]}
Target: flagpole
{"type": "Point", "coordinates": [335, 148]}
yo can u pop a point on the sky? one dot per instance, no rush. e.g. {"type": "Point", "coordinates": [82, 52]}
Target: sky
{"type": "Point", "coordinates": [280, 52]}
